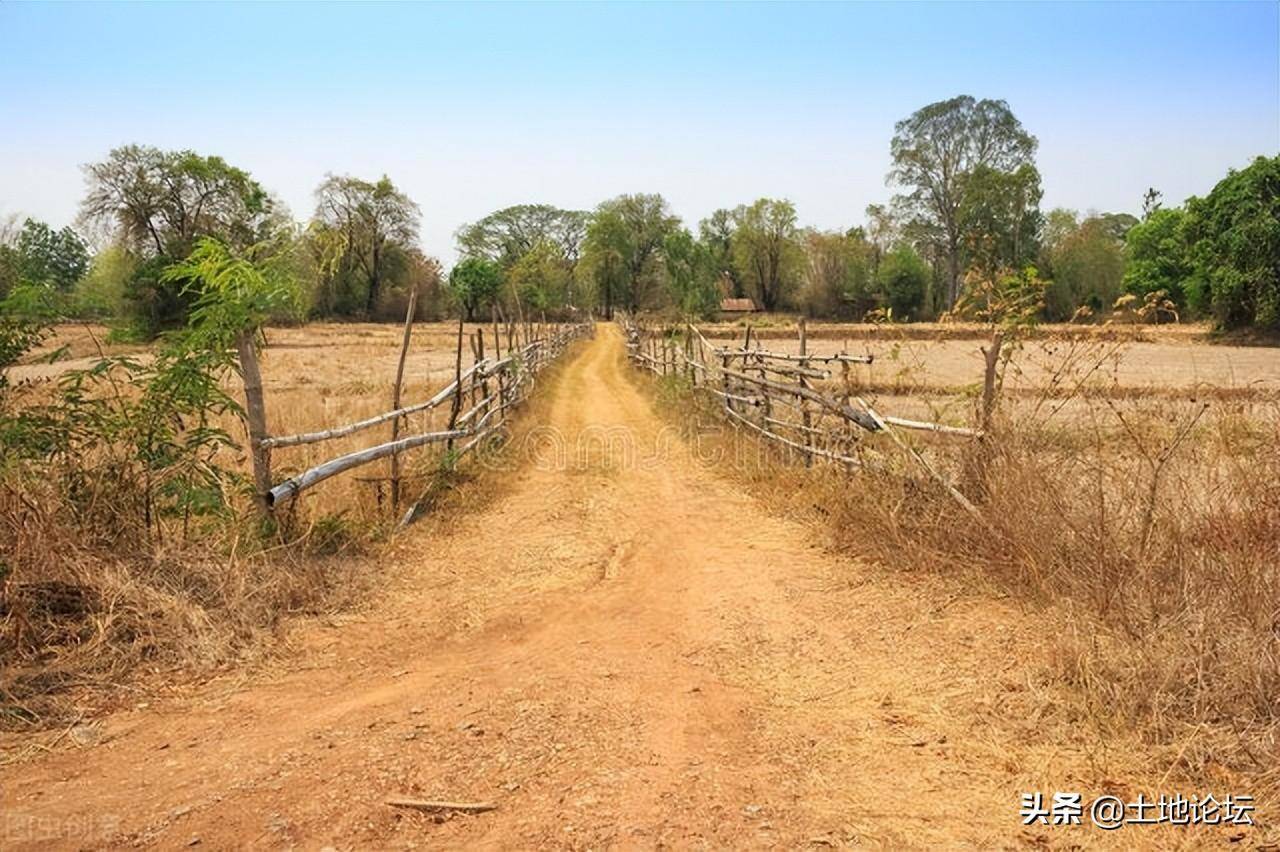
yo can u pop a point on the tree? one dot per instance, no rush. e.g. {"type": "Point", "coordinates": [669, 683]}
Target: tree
{"type": "Point", "coordinates": [1234, 238]}
{"type": "Point", "coordinates": [157, 204]}
{"type": "Point", "coordinates": [691, 275]}
{"type": "Point", "coordinates": [1151, 202]}
{"type": "Point", "coordinates": [52, 258]}
{"type": "Point", "coordinates": [903, 278]}
{"type": "Point", "coordinates": [160, 202]}
{"type": "Point", "coordinates": [374, 224]}
{"type": "Point", "coordinates": [1157, 257]}
{"type": "Point", "coordinates": [838, 275]}
{"type": "Point", "coordinates": [474, 282]}
{"type": "Point", "coordinates": [937, 148]}
{"type": "Point", "coordinates": [999, 216]}
{"type": "Point", "coordinates": [625, 237]}
{"type": "Point", "coordinates": [716, 233]}
{"type": "Point", "coordinates": [883, 232]}
{"type": "Point", "coordinates": [509, 234]}
{"type": "Point", "coordinates": [101, 293]}
{"type": "Point", "coordinates": [1087, 265]}
{"type": "Point", "coordinates": [603, 258]}
{"type": "Point", "coordinates": [766, 248]}
{"type": "Point", "coordinates": [541, 278]}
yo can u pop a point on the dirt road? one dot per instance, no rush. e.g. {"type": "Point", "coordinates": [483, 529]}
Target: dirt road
{"type": "Point", "coordinates": [618, 649]}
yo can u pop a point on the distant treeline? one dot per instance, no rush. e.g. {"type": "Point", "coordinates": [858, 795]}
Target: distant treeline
{"type": "Point", "coordinates": [966, 218]}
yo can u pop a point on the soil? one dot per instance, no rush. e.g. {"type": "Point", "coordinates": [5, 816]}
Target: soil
{"type": "Point", "coordinates": [619, 649]}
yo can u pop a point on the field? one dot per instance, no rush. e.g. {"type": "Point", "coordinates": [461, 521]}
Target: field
{"type": "Point", "coordinates": [573, 642]}
{"type": "Point", "coordinates": [314, 377]}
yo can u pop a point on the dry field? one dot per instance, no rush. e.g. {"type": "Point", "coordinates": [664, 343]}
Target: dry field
{"type": "Point", "coordinates": [315, 377]}
{"type": "Point", "coordinates": [639, 648]}
{"type": "Point", "coordinates": [614, 654]}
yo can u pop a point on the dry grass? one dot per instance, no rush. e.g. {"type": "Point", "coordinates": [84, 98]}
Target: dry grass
{"type": "Point", "coordinates": [87, 602]}
{"type": "Point", "coordinates": [1145, 527]}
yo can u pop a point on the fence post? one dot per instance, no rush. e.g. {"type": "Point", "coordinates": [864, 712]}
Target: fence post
{"type": "Point", "coordinates": [395, 395]}
{"type": "Point", "coordinates": [256, 414]}
{"type": "Point", "coordinates": [804, 403]}
{"type": "Point", "coordinates": [497, 338]}
{"type": "Point", "coordinates": [457, 385]}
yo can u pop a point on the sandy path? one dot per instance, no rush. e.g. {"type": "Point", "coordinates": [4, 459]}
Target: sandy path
{"type": "Point", "coordinates": [619, 650]}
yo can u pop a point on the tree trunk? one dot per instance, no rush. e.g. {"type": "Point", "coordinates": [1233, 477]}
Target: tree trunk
{"type": "Point", "coordinates": [953, 272]}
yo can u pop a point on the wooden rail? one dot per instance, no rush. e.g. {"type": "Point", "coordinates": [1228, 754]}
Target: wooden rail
{"type": "Point", "coordinates": [753, 384]}
{"type": "Point", "coordinates": [479, 399]}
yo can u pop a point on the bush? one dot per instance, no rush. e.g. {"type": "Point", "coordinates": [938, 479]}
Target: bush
{"type": "Point", "coordinates": [902, 279]}
{"type": "Point", "coordinates": [1234, 236]}
{"type": "Point", "coordinates": [1157, 256]}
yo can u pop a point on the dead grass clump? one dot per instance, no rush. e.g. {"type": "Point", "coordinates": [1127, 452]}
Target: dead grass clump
{"type": "Point", "coordinates": [74, 614]}
{"type": "Point", "coordinates": [1148, 529]}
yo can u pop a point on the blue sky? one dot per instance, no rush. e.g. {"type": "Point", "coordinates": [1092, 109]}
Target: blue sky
{"type": "Point", "coordinates": [470, 108]}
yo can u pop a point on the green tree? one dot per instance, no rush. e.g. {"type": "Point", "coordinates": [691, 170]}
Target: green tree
{"type": "Point", "coordinates": [1059, 223]}
{"type": "Point", "coordinates": [541, 277]}
{"type": "Point", "coordinates": [474, 282]}
{"type": "Point", "coordinates": [691, 275]}
{"type": "Point", "coordinates": [101, 293]}
{"type": "Point", "coordinates": [1087, 265]}
{"type": "Point", "coordinates": [507, 235]}
{"type": "Point", "coordinates": [157, 204]}
{"type": "Point", "coordinates": [838, 274]}
{"type": "Point", "coordinates": [766, 248]}
{"type": "Point", "coordinates": [903, 278]}
{"type": "Point", "coordinates": [1157, 257]}
{"type": "Point", "coordinates": [603, 259]}
{"type": "Point", "coordinates": [52, 258]}
{"type": "Point", "coordinates": [625, 239]}
{"type": "Point", "coordinates": [935, 149]}
{"type": "Point", "coordinates": [999, 216]}
{"type": "Point", "coordinates": [160, 202]}
{"type": "Point", "coordinates": [716, 233]}
{"type": "Point", "coordinates": [372, 225]}
{"type": "Point", "coordinates": [883, 232]}
{"type": "Point", "coordinates": [1234, 237]}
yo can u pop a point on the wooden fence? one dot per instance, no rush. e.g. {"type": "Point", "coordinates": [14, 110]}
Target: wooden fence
{"type": "Point", "coordinates": [478, 401]}
{"type": "Point", "coordinates": [787, 398]}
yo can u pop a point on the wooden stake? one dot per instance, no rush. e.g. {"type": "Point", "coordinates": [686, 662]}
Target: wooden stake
{"type": "Point", "coordinates": [457, 380]}
{"type": "Point", "coordinates": [438, 807]}
{"type": "Point", "coordinates": [497, 339]}
{"type": "Point", "coordinates": [256, 414]}
{"type": "Point", "coordinates": [804, 404]}
{"type": "Point", "coordinates": [395, 394]}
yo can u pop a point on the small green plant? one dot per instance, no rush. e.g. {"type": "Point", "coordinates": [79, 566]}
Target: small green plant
{"type": "Point", "coordinates": [133, 438]}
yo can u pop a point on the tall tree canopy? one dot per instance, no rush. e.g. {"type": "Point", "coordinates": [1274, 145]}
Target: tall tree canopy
{"type": "Point", "coordinates": [1086, 261]}
{"type": "Point", "coordinates": [509, 234]}
{"type": "Point", "coordinates": [903, 278]}
{"type": "Point", "coordinates": [1157, 257]}
{"type": "Point", "coordinates": [716, 233]}
{"type": "Point", "coordinates": [691, 275]}
{"type": "Point", "coordinates": [838, 274]}
{"type": "Point", "coordinates": [370, 225]}
{"type": "Point", "coordinates": [937, 151]}
{"type": "Point", "coordinates": [1234, 235]}
{"type": "Point", "coordinates": [160, 202]}
{"type": "Point", "coordinates": [624, 243]}
{"type": "Point", "coordinates": [999, 216]}
{"type": "Point", "coordinates": [767, 250]}
{"type": "Point", "coordinates": [475, 281]}
{"type": "Point", "coordinates": [541, 278]}
{"type": "Point", "coordinates": [157, 204]}
{"type": "Point", "coordinates": [41, 255]}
